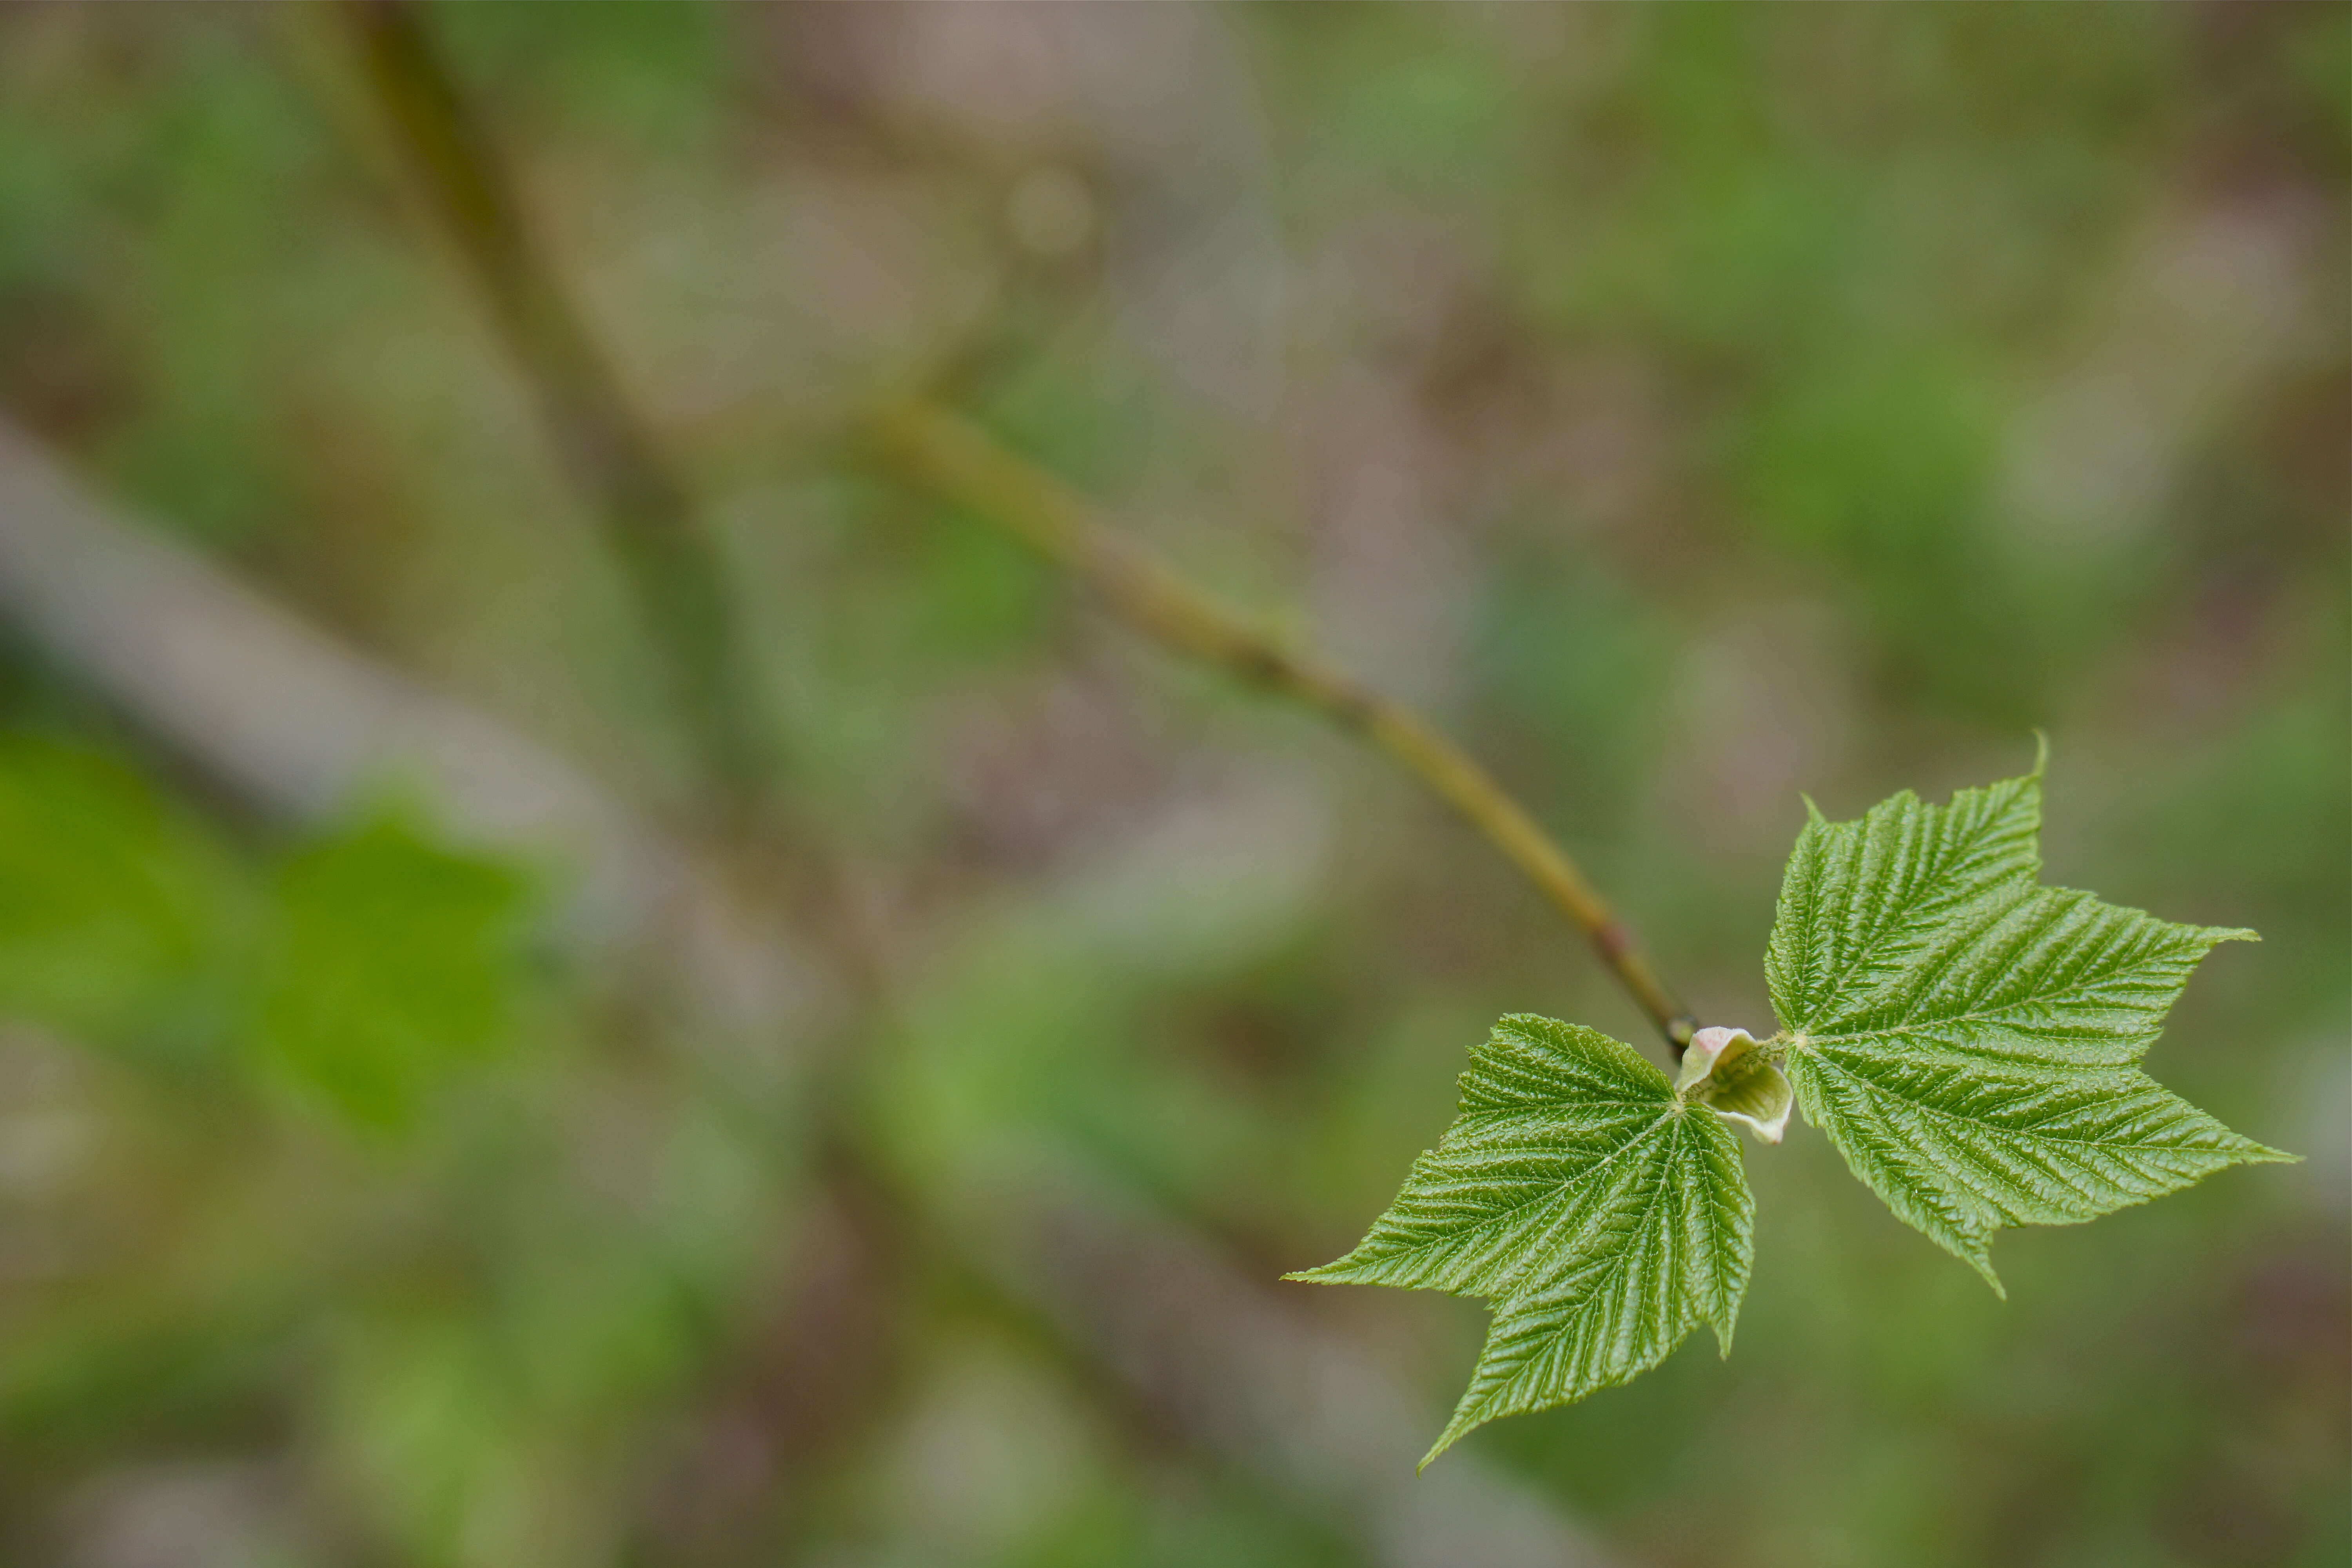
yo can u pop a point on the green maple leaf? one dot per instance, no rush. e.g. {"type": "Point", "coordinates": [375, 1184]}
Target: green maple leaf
{"type": "Point", "coordinates": [1966, 1038]}
{"type": "Point", "coordinates": [1970, 1040]}
{"type": "Point", "coordinates": [1603, 1216]}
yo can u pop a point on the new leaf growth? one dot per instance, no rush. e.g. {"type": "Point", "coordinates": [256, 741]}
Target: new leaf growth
{"type": "Point", "coordinates": [1970, 1040]}
{"type": "Point", "coordinates": [1602, 1217]}
{"type": "Point", "coordinates": [1966, 1038]}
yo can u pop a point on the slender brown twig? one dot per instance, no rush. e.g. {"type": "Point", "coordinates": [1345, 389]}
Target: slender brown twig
{"type": "Point", "coordinates": [647, 514]}
{"type": "Point", "coordinates": [648, 519]}
{"type": "Point", "coordinates": [644, 510]}
{"type": "Point", "coordinates": [960, 461]}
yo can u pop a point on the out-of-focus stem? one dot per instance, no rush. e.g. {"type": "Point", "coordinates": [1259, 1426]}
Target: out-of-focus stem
{"type": "Point", "coordinates": [286, 712]}
{"type": "Point", "coordinates": [645, 513]}
{"type": "Point", "coordinates": [960, 461]}
{"type": "Point", "coordinates": [648, 519]}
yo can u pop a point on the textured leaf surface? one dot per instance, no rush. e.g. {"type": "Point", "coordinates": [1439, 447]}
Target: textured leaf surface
{"type": "Point", "coordinates": [1602, 1217]}
{"type": "Point", "coordinates": [1968, 1038]}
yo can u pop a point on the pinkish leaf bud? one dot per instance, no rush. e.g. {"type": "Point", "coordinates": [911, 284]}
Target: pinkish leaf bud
{"type": "Point", "coordinates": [1739, 1077]}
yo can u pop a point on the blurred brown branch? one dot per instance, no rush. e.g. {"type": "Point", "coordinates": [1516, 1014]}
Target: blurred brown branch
{"type": "Point", "coordinates": [1268, 1409]}
{"type": "Point", "coordinates": [960, 461]}
{"type": "Point", "coordinates": [645, 509]}
{"type": "Point", "coordinates": [296, 718]}
{"type": "Point", "coordinates": [651, 530]}
{"type": "Point", "coordinates": [1270, 1406]}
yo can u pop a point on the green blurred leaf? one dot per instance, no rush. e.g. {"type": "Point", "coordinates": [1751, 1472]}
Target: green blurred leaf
{"type": "Point", "coordinates": [396, 963]}
{"type": "Point", "coordinates": [1969, 1039]}
{"type": "Point", "coordinates": [111, 906]}
{"type": "Point", "coordinates": [1578, 1193]}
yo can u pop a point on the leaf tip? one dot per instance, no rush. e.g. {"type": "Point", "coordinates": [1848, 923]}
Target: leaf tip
{"type": "Point", "coordinates": [1455, 1430]}
{"type": "Point", "coordinates": [2041, 752]}
{"type": "Point", "coordinates": [1321, 1274]}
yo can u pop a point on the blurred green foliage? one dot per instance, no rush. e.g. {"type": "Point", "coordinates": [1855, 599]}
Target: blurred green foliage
{"type": "Point", "coordinates": [366, 968]}
{"type": "Point", "coordinates": [1690, 405]}
{"type": "Point", "coordinates": [120, 911]}
{"type": "Point", "coordinates": [394, 965]}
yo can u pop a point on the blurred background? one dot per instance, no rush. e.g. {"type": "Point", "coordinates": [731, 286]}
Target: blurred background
{"type": "Point", "coordinates": [474, 1090]}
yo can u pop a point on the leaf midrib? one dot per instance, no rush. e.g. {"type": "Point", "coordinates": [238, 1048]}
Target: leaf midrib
{"type": "Point", "coordinates": [1855, 959]}
{"type": "Point", "coordinates": [2063, 992]}
{"type": "Point", "coordinates": [1619, 1260]}
{"type": "Point", "coordinates": [1501, 1216]}
{"type": "Point", "coordinates": [1875, 1086]}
